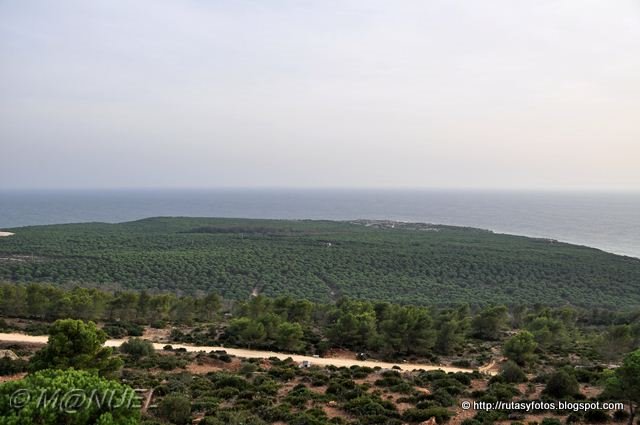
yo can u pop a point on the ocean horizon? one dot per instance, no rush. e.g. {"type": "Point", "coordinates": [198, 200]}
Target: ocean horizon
{"type": "Point", "coordinates": [609, 221]}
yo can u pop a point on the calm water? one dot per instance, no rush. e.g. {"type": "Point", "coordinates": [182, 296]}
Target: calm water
{"type": "Point", "coordinates": [609, 221]}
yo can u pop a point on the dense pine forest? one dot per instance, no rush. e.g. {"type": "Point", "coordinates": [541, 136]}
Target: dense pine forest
{"type": "Point", "coordinates": [385, 330]}
{"type": "Point", "coordinates": [322, 261]}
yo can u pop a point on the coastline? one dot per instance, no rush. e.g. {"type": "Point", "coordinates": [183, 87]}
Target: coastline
{"type": "Point", "coordinates": [384, 223]}
{"type": "Point", "coordinates": [423, 226]}
{"type": "Point", "coordinates": [607, 221]}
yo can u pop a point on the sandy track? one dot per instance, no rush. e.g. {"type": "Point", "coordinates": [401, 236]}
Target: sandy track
{"type": "Point", "coordinates": [256, 354]}
{"type": "Point", "coordinates": [2, 234]}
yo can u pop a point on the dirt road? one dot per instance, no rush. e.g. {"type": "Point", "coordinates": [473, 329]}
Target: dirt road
{"type": "Point", "coordinates": [240, 352]}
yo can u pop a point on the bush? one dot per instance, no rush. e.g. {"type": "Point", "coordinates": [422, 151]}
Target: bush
{"type": "Point", "coordinates": [176, 409]}
{"type": "Point", "coordinates": [365, 405]}
{"type": "Point", "coordinates": [596, 416]}
{"type": "Point", "coordinates": [207, 405]}
{"type": "Point", "coordinates": [587, 376]}
{"type": "Point", "coordinates": [418, 415]}
{"type": "Point", "coordinates": [550, 421]}
{"type": "Point", "coordinates": [159, 324]}
{"type": "Point", "coordinates": [37, 329]}
{"type": "Point", "coordinates": [443, 398]}
{"type": "Point", "coordinates": [503, 392]}
{"type": "Point", "coordinates": [561, 385]}
{"type": "Point", "coordinates": [620, 415]}
{"type": "Point", "coordinates": [489, 417]}
{"type": "Point", "coordinates": [133, 329]}
{"type": "Point", "coordinates": [463, 378]}
{"type": "Point", "coordinates": [225, 358]}
{"type": "Point", "coordinates": [11, 367]}
{"type": "Point", "coordinates": [169, 362]}
{"type": "Point", "coordinates": [512, 373]}
{"type": "Point", "coordinates": [462, 363]}
{"type": "Point", "coordinates": [309, 417]}
{"type": "Point", "coordinates": [115, 331]}
{"type": "Point", "coordinates": [50, 382]}
{"type": "Point", "coordinates": [520, 348]}
{"type": "Point", "coordinates": [574, 417]}
{"type": "Point", "coordinates": [344, 389]}
{"type": "Point", "coordinates": [247, 368]}
{"type": "Point", "coordinates": [120, 330]}
{"type": "Point", "coordinates": [78, 345]}
{"type": "Point", "coordinates": [137, 348]}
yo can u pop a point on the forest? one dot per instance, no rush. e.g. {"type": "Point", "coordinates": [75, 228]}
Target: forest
{"type": "Point", "coordinates": [538, 353]}
{"type": "Point", "coordinates": [321, 261]}
{"type": "Point", "coordinates": [382, 330]}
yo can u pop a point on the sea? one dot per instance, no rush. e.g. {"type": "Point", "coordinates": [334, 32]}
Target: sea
{"type": "Point", "coordinates": [609, 221]}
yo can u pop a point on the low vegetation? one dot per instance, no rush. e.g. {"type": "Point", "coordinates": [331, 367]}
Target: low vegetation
{"type": "Point", "coordinates": [215, 388]}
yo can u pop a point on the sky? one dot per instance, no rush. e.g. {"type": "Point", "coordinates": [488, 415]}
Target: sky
{"type": "Point", "coordinates": [509, 94]}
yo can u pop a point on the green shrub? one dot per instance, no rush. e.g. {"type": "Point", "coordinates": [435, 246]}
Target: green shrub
{"type": "Point", "coordinates": [137, 348]}
{"type": "Point", "coordinates": [366, 405]}
{"type": "Point", "coordinates": [51, 382]}
{"type": "Point", "coordinates": [37, 329]}
{"type": "Point", "coordinates": [158, 324]}
{"type": "Point", "coordinates": [442, 397]}
{"type": "Point", "coordinates": [512, 373]}
{"type": "Point", "coordinates": [561, 385]}
{"type": "Point", "coordinates": [169, 362]}
{"type": "Point", "coordinates": [462, 363]}
{"type": "Point", "coordinates": [122, 329]}
{"type": "Point", "coordinates": [344, 389]}
{"type": "Point", "coordinates": [418, 415]}
{"type": "Point", "coordinates": [11, 367]}
{"type": "Point", "coordinates": [596, 416]}
{"type": "Point", "coordinates": [175, 408]}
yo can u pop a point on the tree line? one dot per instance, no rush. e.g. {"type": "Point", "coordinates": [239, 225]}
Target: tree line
{"type": "Point", "coordinates": [385, 329]}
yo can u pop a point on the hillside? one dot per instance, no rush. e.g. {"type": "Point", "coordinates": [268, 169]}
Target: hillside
{"type": "Point", "coordinates": [321, 261]}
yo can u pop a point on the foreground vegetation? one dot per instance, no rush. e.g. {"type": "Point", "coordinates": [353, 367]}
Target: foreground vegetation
{"type": "Point", "coordinates": [321, 261]}
{"type": "Point", "coordinates": [214, 388]}
{"type": "Point", "coordinates": [540, 352]}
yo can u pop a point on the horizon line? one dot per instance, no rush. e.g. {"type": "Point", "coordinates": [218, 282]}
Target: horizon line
{"type": "Point", "coordinates": [324, 188]}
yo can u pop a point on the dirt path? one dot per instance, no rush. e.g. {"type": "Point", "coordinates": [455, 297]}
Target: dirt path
{"type": "Point", "coordinates": [491, 368]}
{"type": "Point", "coordinates": [3, 234]}
{"type": "Point", "coordinates": [253, 354]}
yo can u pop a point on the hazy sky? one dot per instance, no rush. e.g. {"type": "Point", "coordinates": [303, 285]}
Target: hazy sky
{"type": "Point", "coordinates": [425, 93]}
